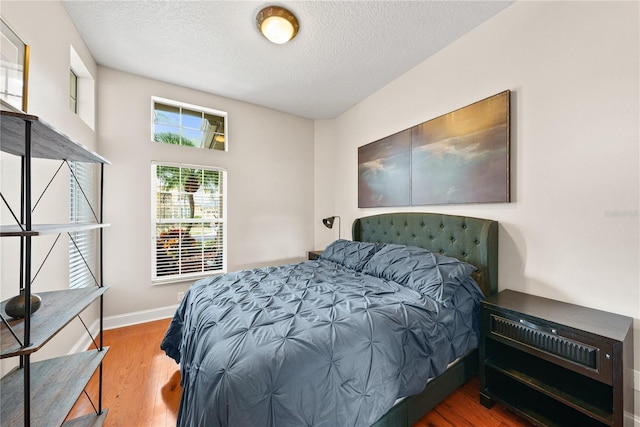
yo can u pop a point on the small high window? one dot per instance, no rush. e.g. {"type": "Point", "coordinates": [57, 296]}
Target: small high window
{"type": "Point", "coordinates": [189, 125]}
{"type": "Point", "coordinates": [82, 90]}
{"type": "Point", "coordinates": [73, 91]}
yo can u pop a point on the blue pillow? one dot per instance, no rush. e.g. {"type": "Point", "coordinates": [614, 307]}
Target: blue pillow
{"type": "Point", "coordinates": [353, 255]}
{"type": "Point", "coordinates": [397, 262]}
{"type": "Point", "coordinates": [432, 275]}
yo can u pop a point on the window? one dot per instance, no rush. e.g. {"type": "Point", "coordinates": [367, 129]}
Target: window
{"type": "Point", "coordinates": [189, 230]}
{"type": "Point", "coordinates": [73, 91]}
{"type": "Point", "coordinates": [84, 89]}
{"type": "Point", "coordinates": [82, 244]}
{"type": "Point", "coordinates": [188, 125]}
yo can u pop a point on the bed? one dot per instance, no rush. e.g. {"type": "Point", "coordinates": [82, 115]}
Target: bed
{"type": "Point", "coordinates": [337, 341]}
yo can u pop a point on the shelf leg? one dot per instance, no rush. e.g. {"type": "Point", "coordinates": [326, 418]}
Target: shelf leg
{"type": "Point", "coordinates": [27, 390]}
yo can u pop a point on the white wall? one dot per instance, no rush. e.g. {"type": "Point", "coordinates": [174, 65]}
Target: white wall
{"type": "Point", "coordinates": [324, 185]}
{"type": "Point", "coordinates": [573, 71]}
{"type": "Point", "coordinates": [269, 164]}
{"type": "Point", "coordinates": [270, 176]}
{"type": "Point", "coordinates": [48, 30]}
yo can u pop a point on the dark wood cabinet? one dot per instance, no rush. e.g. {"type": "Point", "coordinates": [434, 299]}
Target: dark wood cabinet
{"type": "Point", "coordinates": [41, 393]}
{"type": "Point", "coordinates": [554, 363]}
{"type": "Point", "coordinates": [314, 255]}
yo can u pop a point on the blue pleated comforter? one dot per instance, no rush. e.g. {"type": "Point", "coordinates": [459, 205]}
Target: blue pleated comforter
{"type": "Point", "coordinates": [311, 344]}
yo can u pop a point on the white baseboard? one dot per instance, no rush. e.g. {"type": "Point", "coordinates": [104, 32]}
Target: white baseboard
{"type": "Point", "coordinates": [138, 317]}
{"type": "Point", "coordinates": [120, 321]}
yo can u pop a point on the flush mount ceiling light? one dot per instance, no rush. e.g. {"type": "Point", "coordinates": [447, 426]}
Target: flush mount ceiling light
{"type": "Point", "coordinates": [277, 24]}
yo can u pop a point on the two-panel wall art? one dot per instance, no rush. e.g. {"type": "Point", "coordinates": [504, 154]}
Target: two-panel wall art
{"type": "Point", "coordinates": [460, 157]}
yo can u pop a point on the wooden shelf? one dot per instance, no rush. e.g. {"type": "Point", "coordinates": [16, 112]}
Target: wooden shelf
{"type": "Point", "coordinates": [91, 420]}
{"type": "Point", "coordinates": [43, 393]}
{"type": "Point", "coordinates": [57, 310]}
{"type": "Point", "coordinates": [582, 394]}
{"type": "Point", "coordinates": [55, 386]}
{"type": "Point", "coordinates": [41, 229]}
{"type": "Point", "coordinates": [537, 408]}
{"type": "Point", "coordinates": [46, 142]}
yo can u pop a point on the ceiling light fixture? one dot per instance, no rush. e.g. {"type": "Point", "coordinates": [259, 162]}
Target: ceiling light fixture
{"type": "Point", "coordinates": [277, 24]}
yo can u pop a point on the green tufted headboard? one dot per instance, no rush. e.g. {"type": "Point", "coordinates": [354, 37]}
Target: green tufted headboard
{"type": "Point", "coordinates": [473, 240]}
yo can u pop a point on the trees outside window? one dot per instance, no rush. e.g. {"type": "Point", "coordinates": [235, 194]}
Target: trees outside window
{"type": "Point", "coordinates": [189, 220]}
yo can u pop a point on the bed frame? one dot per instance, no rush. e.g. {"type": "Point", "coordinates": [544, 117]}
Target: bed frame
{"type": "Point", "coordinates": [473, 240]}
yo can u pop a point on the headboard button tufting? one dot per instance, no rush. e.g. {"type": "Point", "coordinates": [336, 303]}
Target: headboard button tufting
{"type": "Point", "coordinates": [473, 239]}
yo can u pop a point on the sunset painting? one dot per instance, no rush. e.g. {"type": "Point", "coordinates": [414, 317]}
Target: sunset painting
{"type": "Point", "coordinates": [463, 156]}
{"type": "Point", "coordinates": [460, 157]}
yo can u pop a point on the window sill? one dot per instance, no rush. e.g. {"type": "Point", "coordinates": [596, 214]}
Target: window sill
{"type": "Point", "coordinates": [185, 277]}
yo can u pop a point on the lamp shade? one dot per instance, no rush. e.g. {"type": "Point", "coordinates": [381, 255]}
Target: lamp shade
{"type": "Point", "coordinates": [328, 222]}
{"type": "Point", "coordinates": [277, 24]}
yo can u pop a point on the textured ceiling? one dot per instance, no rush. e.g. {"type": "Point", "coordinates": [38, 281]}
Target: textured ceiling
{"type": "Point", "coordinates": [344, 52]}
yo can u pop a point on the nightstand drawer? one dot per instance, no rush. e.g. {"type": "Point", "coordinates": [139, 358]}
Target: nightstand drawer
{"type": "Point", "coordinates": [555, 344]}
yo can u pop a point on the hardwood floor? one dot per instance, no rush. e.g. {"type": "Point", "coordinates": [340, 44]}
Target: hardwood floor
{"type": "Point", "coordinates": [463, 408]}
{"type": "Point", "coordinates": [141, 387]}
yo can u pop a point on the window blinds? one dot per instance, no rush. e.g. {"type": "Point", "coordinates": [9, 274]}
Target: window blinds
{"type": "Point", "coordinates": [82, 244]}
{"type": "Point", "coordinates": [189, 208]}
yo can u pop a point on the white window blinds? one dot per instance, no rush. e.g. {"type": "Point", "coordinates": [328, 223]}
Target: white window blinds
{"type": "Point", "coordinates": [82, 244]}
{"type": "Point", "coordinates": [189, 210]}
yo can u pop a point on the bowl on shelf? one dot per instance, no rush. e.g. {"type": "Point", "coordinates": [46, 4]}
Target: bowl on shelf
{"type": "Point", "coordinates": [15, 306]}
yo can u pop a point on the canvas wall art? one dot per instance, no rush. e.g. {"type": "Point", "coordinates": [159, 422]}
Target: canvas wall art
{"type": "Point", "coordinates": [460, 157]}
{"type": "Point", "coordinates": [384, 177]}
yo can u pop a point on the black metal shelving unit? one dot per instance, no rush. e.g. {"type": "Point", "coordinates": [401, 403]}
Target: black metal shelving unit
{"type": "Point", "coordinates": [42, 393]}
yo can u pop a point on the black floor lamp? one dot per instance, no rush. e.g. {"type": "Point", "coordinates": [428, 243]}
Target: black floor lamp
{"type": "Point", "coordinates": [328, 222]}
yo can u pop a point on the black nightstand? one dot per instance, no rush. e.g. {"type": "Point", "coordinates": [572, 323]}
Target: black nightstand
{"type": "Point", "coordinates": [314, 254]}
{"type": "Point", "coordinates": [555, 363]}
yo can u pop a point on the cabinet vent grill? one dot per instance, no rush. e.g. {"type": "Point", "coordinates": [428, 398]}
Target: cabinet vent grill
{"type": "Point", "coordinates": [565, 348]}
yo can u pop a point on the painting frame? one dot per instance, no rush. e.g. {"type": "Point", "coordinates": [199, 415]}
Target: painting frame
{"type": "Point", "coordinates": [14, 66]}
{"type": "Point", "coordinates": [461, 157]}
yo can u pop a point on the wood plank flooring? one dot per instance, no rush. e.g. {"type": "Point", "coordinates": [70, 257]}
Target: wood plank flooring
{"type": "Point", "coordinates": [141, 387]}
